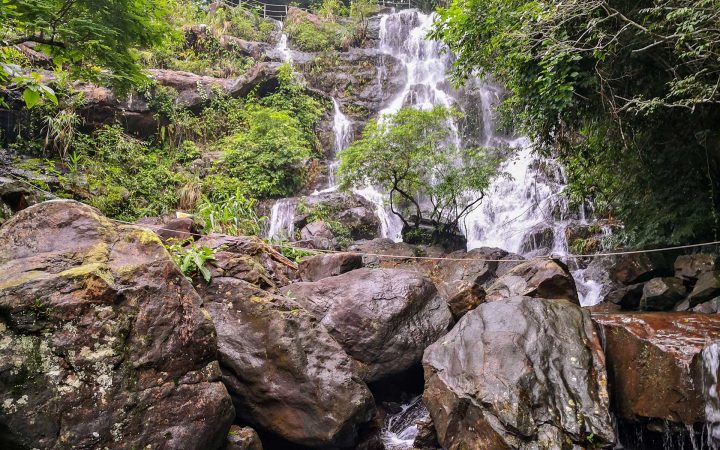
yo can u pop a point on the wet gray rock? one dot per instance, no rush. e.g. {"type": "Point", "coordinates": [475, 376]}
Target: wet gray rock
{"type": "Point", "coordinates": [315, 268]}
{"type": "Point", "coordinates": [285, 373]}
{"type": "Point", "coordinates": [662, 294]}
{"type": "Point", "coordinates": [709, 307]}
{"type": "Point", "coordinates": [690, 267]}
{"type": "Point", "coordinates": [103, 341]}
{"type": "Point", "coordinates": [318, 235]}
{"type": "Point", "coordinates": [383, 318]}
{"type": "Point", "coordinates": [351, 211]}
{"type": "Point", "coordinates": [535, 278]}
{"type": "Point", "coordinates": [521, 373]}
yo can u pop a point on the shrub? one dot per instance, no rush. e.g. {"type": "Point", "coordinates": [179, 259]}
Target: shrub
{"type": "Point", "coordinates": [266, 158]}
{"type": "Point", "coordinates": [234, 215]}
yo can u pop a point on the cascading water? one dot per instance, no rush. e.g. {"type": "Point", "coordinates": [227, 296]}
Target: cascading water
{"type": "Point", "coordinates": [343, 135]}
{"type": "Point", "coordinates": [400, 430]}
{"type": "Point", "coordinates": [711, 364]}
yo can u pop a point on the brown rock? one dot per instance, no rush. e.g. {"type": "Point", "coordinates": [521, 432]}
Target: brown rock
{"type": "Point", "coordinates": [315, 268]}
{"type": "Point", "coordinates": [104, 341]}
{"type": "Point", "coordinates": [383, 318]}
{"type": "Point", "coordinates": [285, 373]}
{"type": "Point", "coordinates": [462, 277]}
{"type": "Point", "coordinates": [249, 259]}
{"type": "Point", "coordinates": [318, 235]}
{"type": "Point", "coordinates": [655, 364]}
{"type": "Point", "coordinates": [638, 268]}
{"type": "Point", "coordinates": [520, 373]}
{"type": "Point", "coordinates": [535, 278]}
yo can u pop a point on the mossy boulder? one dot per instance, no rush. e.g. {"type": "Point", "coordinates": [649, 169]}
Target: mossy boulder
{"type": "Point", "coordinates": [103, 342]}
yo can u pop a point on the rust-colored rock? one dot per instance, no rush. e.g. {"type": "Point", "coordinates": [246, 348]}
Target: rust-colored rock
{"type": "Point", "coordinates": [103, 342]}
{"type": "Point", "coordinates": [655, 365]}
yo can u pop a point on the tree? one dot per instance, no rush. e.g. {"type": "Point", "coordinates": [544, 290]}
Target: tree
{"type": "Point", "coordinates": [408, 155]}
{"type": "Point", "coordinates": [626, 92]}
{"type": "Point", "coordinates": [93, 39]}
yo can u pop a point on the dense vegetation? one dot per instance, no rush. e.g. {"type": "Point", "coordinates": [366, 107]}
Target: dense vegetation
{"type": "Point", "coordinates": [626, 91]}
{"type": "Point", "coordinates": [213, 162]}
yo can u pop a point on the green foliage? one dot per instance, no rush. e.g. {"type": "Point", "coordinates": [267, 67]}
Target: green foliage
{"type": "Point", "coordinates": [234, 215]}
{"type": "Point", "coordinates": [407, 155]}
{"type": "Point", "coordinates": [241, 22]}
{"type": "Point", "coordinates": [315, 37]}
{"type": "Point", "coordinates": [624, 91]}
{"type": "Point", "coordinates": [128, 178]}
{"type": "Point", "coordinates": [191, 259]}
{"type": "Point", "coordinates": [267, 157]}
{"type": "Point", "coordinates": [94, 39]}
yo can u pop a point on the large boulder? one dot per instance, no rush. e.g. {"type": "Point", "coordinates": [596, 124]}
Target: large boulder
{"type": "Point", "coordinates": [354, 213]}
{"type": "Point", "coordinates": [542, 278]}
{"type": "Point", "coordinates": [627, 297]}
{"type": "Point", "coordinates": [655, 364]}
{"type": "Point", "coordinates": [285, 373]}
{"type": "Point", "coordinates": [639, 267]}
{"type": "Point", "coordinates": [706, 288]}
{"type": "Point", "coordinates": [521, 373]}
{"type": "Point", "coordinates": [103, 342]}
{"type": "Point", "coordinates": [662, 294]}
{"type": "Point", "coordinates": [690, 267]}
{"type": "Point", "coordinates": [383, 318]}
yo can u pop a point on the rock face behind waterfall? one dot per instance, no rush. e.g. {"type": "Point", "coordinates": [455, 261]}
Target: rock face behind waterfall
{"type": "Point", "coordinates": [103, 342]}
{"type": "Point", "coordinates": [383, 318]}
{"type": "Point", "coordinates": [519, 373]}
{"type": "Point", "coordinates": [284, 371]}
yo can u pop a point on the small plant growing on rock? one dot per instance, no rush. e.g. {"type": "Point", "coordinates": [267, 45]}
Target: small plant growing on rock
{"type": "Point", "coordinates": [191, 259]}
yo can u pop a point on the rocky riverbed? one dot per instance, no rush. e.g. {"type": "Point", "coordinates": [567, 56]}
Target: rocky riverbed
{"type": "Point", "coordinates": [106, 344]}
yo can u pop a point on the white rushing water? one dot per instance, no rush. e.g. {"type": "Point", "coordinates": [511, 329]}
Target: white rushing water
{"type": "Point", "coordinates": [711, 364]}
{"type": "Point", "coordinates": [400, 429]}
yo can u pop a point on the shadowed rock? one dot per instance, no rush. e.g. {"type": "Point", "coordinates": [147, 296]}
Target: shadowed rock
{"type": "Point", "coordinates": [535, 278]}
{"type": "Point", "coordinates": [662, 294]}
{"type": "Point", "coordinates": [316, 268]}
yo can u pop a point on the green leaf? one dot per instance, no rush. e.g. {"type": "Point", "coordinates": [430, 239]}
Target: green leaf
{"type": "Point", "coordinates": [31, 98]}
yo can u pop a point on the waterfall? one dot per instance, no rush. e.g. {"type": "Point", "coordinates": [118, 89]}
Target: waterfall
{"type": "Point", "coordinates": [400, 429]}
{"type": "Point", "coordinates": [282, 219]}
{"type": "Point", "coordinates": [711, 364]}
{"type": "Point", "coordinates": [343, 135]}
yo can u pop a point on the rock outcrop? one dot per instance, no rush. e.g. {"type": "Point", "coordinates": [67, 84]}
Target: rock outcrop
{"type": "Point", "coordinates": [285, 373]}
{"type": "Point", "coordinates": [536, 278]}
{"type": "Point", "coordinates": [383, 318]}
{"type": "Point", "coordinates": [463, 277]}
{"type": "Point", "coordinates": [103, 342]}
{"type": "Point", "coordinates": [316, 268]}
{"type": "Point", "coordinates": [520, 373]}
{"type": "Point", "coordinates": [655, 364]}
